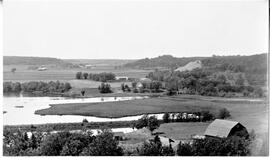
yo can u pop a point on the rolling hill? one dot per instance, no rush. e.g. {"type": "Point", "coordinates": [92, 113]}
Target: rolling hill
{"type": "Point", "coordinates": [19, 60]}
{"type": "Point", "coordinates": [165, 61]}
{"type": "Point", "coordinates": [253, 67]}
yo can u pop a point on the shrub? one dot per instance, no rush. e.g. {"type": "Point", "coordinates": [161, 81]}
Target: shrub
{"type": "Point", "coordinates": [13, 70]}
{"type": "Point", "coordinates": [207, 116]}
{"type": "Point", "coordinates": [85, 121]}
{"type": "Point", "coordinates": [152, 148]}
{"type": "Point", "coordinates": [79, 75]}
{"type": "Point", "coordinates": [85, 75]}
{"type": "Point", "coordinates": [142, 122]}
{"type": "Point", "coordinates": [167, 151]}
{"type": "Point", "coordinates": [184, 149]}
{"type": "Point", "coordinates": [105, 88]}
{"type": "Point", "coordinates": [152, 123]}
{"type": "Point", "coordinates": [166, 117]}
{"type": "Point", "coordinates": [223, 113]}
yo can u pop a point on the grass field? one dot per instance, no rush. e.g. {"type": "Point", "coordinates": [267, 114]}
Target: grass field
{"type": "Point", "coordinates": [22, 73]}
{"type": "Point", "coordinates": [131, 107]}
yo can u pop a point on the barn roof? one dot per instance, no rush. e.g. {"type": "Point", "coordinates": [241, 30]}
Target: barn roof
{"type": "Point", "coordinates": [220, 128]}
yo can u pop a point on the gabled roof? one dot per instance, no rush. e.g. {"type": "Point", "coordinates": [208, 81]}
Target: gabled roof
{"type": "Point", "coordinates": [220, 128]}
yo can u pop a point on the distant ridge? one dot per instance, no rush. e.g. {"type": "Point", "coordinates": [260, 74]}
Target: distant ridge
{"type": "Point", "coordinates": [27, 60]}
{"type": "Point", "coordinates": [37, 61]}
{"type": "Point", "coordinates": [165, 61]}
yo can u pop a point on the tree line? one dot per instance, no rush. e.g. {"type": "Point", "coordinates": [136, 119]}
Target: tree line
{"type": "Point", "coordinates": [60, 144]}
{"type": "Point", "coordinates": [104, 144]}
{"type": "Point", "coordinates": [45, 87]}
{"type": "Point", "coordinates": [102, 77]}
{"type": "Point", "coordinates": [203, 82]}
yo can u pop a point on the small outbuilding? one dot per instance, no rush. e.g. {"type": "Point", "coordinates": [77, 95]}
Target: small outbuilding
{"type": "Point", "coordinates": [121, 78]}
{"type": "Point", "coordinates": [225, 128]}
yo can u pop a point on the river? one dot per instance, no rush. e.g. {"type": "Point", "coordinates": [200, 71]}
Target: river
{"type": "Point", "coordinates": [21, 110]}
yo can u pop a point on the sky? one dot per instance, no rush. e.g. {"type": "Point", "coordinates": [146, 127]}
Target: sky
{"type": "Point", "coordinates": [110, 29]}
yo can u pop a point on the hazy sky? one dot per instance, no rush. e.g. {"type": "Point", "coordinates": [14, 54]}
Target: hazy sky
{"type": "Point", "coordinates": [134, 29]}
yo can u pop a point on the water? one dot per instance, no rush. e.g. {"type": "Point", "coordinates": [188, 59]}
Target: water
{"type": "Point", "coordinates": [95, 131]}
{"type": "Point", "coordinates": [26, 114]}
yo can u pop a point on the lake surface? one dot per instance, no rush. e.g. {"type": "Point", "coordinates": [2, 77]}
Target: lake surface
{"type": "Point", "coordinates": [21, 110]}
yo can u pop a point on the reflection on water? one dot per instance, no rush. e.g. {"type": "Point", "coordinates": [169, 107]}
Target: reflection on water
{"type": "Point", "coordinates": [25, 114]}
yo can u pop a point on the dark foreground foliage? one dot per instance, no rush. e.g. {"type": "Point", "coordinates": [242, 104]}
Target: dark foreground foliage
{"type": "Point", "coordinates": [60, 144]}
{"type": "Point", "coordinates": [232, 146]}
{"type": "Point", "coordinates": [17, 143]}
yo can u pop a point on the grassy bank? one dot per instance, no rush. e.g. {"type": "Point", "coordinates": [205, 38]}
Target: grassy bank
{"type": "Point", "coordinates": [131, 107]}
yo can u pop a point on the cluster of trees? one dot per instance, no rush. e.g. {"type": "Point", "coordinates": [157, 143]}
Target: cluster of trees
{"type": "Point", "coordinates": [102, 77]}
{"type": "Point", "coordinates": [105, 88]}
{"type": "Point", "coordinates": [125, 87]}
{"type": "Point", "coordinates": [200, 81]}
{"type": "Point", "coordinates": [61, 144]}
{"type": "Point", "coordinates": [45, 87]}
{"type": "Point", "coordinates": [153, 86]}
{"type": "Point", "coordinates": [195, 117]}
{"type": "Point", "coordinates": [154, 148]}
{"type": "Point", "coordinates": [151, 122]}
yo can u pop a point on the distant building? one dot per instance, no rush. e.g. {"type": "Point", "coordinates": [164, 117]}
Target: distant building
{"type": "Point", "coordinates": [143, 83]}
{"type": "Point", "coordinates": [89, 66]}
{"type": "Point", "coordinates": [42, 68]}
{"type": "Point", "coordinates": [121, 78]}
{"type": "Point", "coordinates": [225, 128]}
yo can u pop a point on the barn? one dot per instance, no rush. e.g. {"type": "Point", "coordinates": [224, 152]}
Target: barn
{"type": "Point", "coordinates": [225, 128]}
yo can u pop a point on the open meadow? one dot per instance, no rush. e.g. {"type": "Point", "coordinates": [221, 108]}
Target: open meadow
{"type": "Point", "coordinates": [23, 74]}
